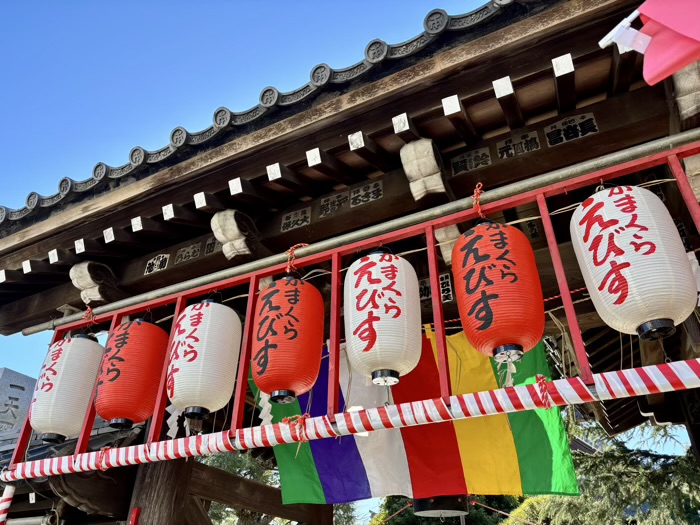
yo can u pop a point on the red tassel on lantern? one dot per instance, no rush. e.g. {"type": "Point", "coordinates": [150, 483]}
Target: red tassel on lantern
{"type": "Point", "coordinates": [129, 378]}
{"type": "Point", "coordinates": [287, 339]}
{"type": "Point", "coordinates": [498, 291]}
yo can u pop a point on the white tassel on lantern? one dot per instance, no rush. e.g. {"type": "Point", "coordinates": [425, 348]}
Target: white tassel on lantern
{"type": "Point", "coordinates": [633, 261]}
{"type": "Point", "coordinates": [204, 354]}
{"type": "Point", "coordinates": [64, 388]}
{"type": "Point", "coordinates": [382, 317]}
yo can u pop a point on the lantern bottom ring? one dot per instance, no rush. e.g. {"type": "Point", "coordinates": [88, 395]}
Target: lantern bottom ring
{"type": "Point", "coordinates": [441, 506]}
{"type": "Point", "coordinates": [282, 397]}
{"type": "Point", "coordinates": [508, 353]}
{"type": "Point", "coordinates": [196, 412]}
{"type": "Point", "coordinates": [656, 329]}
{"type": "Point", "coordinates": [52, 437]}
{"type": "Point", "coordinates": [385, 377]}
{"type": "Point", "coordinates": [121, 423]}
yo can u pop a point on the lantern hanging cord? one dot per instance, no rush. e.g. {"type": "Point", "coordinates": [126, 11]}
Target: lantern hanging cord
{"type": "Point", "coordinates": [477, 199]}
{"type": "Point", "coordinates": [408, 506]}
{"type": "Point", "coordinates": [519, 520]}
{"type": "Point", "coordinates": [291, 256]}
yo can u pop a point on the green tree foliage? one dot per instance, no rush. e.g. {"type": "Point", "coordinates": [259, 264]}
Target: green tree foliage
{"type": "Point", "coordinates": [477, 515]}
{"type": "Point", "coordinates": [622, 486]}
{"type": "Point", "coordinates": [246, 466]}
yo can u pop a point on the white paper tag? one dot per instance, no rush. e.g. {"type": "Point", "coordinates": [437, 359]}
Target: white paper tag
{"type": "Point", "coordinates": [32, 497]}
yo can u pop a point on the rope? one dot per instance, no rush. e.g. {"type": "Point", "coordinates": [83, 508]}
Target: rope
{"type": "Point", "coordinates": [544, 393]}
{"type": "Point", "coordinates": [474, 502]}
{"type": "Point", "coordinates": [291, 256]}
{"type": "Point", "coordinates": [298, 423]}
{"type": "Point", "coordinates": [477, 200]}
{"type": "Point", "coordinates": [89, 314]}
{"type": "Point", "coordinates": [409, 505]}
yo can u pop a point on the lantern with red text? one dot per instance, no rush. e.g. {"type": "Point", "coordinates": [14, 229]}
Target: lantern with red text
{"type": "Point", "coordinates": [64, 388]}
{"type": "Point", "coordinates": [129, 378]}
{"type": "Point", "coordinates": [498, 290]}
{"type": "Point", "coordinates": [382, 317]}
{"type": "Point", "coordinates": [204, 355]}
{"type": "Point", "coordinates": [633, 262]}
{"type": "Point", "coordinates": [287, 339]}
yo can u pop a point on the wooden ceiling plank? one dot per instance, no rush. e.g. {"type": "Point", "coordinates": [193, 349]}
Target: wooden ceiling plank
{"type": "Point", "coordinates": [564, 82]}
{"type": "Point", "coordinates": [508, 100]}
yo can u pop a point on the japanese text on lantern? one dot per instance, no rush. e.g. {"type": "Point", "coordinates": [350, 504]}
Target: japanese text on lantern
{"type": "Point", "coordinates": [112, 361]}
{"type": "Point", "coordinates": [48, 369]}
{"type": "Point", "coordinates": [377, 284]}
{"type": "Point", "coordinates": [485, 270]}
{"type": "Point", "coordinates": [605, 247]}
{"type": "Point", "coordinates": [185, 335]}
{"type": "Point", "coordinates": [277, 319]}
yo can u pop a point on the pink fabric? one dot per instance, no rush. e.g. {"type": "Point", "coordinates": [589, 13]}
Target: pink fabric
{"type": "Point", "coordinates": [674, 26]}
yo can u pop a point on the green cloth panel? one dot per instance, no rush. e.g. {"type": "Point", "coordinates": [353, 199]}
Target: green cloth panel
{"type": "Point", "coordinates": [541, 443]}
{"type": "Point", "coordinates": [298, 474]}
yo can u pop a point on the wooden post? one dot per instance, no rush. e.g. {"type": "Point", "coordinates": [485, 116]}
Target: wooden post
{"type": "Point", "coordinates": [161, 492]}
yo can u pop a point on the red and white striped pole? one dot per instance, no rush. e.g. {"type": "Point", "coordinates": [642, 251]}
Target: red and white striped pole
{"type": "Point", "coordinates": [5, 502]}
{"type": "Point", "coordinates": [676, 376]}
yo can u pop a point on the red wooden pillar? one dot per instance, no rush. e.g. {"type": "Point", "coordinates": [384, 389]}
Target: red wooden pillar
{"type": "Point", "coordinates": [438, 316]}
{"type": "Point", "coordinates": [334, 343]}
{"type": "Point", "coordinates": [26, 433]}
{"type": "Point", "coordinates": [579, 348]}
{"type": "Point", "coordinates": [244, 362]}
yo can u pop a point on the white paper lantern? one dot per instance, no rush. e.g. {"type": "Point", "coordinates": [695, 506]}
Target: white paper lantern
{"type": "Point", "coordinates": [204, 354]}
{"type": "Point", "coordinates": [633, 261]}
{"type": "Point", "coordinates": [382, 317]}
{"type": "Point", "coordinates": [64, 388]}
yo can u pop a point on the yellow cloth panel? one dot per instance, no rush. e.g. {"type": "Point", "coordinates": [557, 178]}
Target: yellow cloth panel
{"type": "Point", "coordinates": [489, 458]}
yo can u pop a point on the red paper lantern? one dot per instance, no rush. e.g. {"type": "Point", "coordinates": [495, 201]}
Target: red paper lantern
{"type": "Point", "coordinates": [287, 339]}
{"type": "Point", "coordinates": [498, 291]}
{"type": "Point", "coordinates": [129, 378]}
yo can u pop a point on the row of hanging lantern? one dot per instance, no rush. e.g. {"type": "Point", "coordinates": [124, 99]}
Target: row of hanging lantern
{"type": "Point", "coordinates": [631, 255]}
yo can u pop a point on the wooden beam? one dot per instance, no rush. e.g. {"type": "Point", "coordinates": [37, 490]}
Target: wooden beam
{"type": "Point", "coordinates": [245, 192]}
{"type": "Point", "coordinates": [564, 82]}
{"type": "Point", "coordinates": [12, 277]}
{"type": "Point", "coordinates": [174, 213]}
{"type": "Point", "coordinates": [160, 491]}
{"type": "Point", "coordinates": [404, 128]}
{"type": "Point", "coordinates": [285, 177]}
{"type": "Point", "coordinates": [208, 202]}
{"type": "Point", "coordinates": [41, 268]}
{"type": "Point", "coordinates": [218, 485]}
{"type": "Point", "coordinates": [119, 237]}
{"type": "Point", "coordinates": [62, 257]}
{"type": "Point", "coordinates": [621, 72]}
{"type": "Point", "coordinates": [507, 99]}
{"type": "Point", "coordinates": [91, 248]}
{"type": "Point", "coordinates": [147, 227]}
{"type": "Point", "coordinates": [459, 118]}
{"type": "Point", "coordinates": [195, 513]}
{"type": "Point", "coordinates": [371, 152]}
{"type": "Point", "coordinates": [321, 161]}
